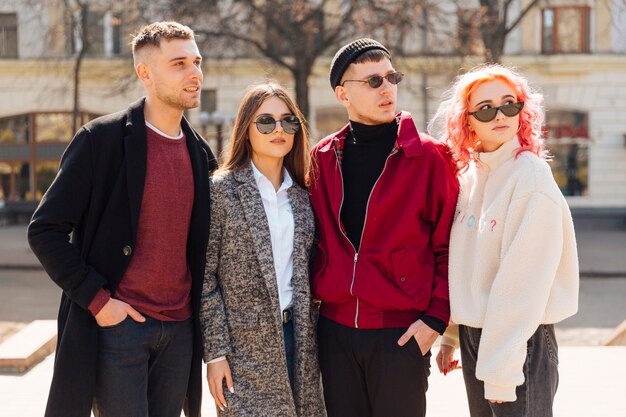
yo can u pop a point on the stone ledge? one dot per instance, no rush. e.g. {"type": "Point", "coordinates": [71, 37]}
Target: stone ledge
{"type": "Point", "coordinates": [28, 347]}
{"type": "Point", "coordinates": [618, 337]}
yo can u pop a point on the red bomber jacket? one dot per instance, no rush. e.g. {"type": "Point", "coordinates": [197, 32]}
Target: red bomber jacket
{"type": "Point", "coordinates": [401, 270]}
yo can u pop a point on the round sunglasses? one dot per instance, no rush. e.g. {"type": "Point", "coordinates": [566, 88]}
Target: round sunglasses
{"type": "Point", "coordinates": [267, 124]}
{"type": "Point", "coordinates": [488, 114]}
{"type": "Point", "coordinates": [376, 81]}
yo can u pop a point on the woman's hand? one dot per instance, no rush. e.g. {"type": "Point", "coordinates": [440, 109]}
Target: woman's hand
{"type": "Point", "coordinates": [216, 372]}
{"type": "Point", "coordinates": [445, 359]}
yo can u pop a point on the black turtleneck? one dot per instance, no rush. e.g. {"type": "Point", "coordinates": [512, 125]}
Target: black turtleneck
{"type": "Point", "coordinates": [364, 154]}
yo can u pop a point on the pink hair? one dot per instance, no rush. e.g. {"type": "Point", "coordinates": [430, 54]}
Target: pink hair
{"type": "Point", "coordinates": [451, 121]}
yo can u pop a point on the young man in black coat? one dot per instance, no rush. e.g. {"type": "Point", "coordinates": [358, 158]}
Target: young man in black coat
{"type": "Point", "coordinates": [123, 231]}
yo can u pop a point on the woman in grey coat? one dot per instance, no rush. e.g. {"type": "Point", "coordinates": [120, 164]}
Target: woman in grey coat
{"type": "Point", "coordinates": [258, 320]}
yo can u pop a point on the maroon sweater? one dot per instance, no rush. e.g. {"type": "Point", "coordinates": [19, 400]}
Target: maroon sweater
{"type": "Point", "coordinates": [158, 282]}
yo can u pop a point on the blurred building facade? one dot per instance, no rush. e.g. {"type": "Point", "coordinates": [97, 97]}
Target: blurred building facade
{"type": "Point", "coordinates": [573, 50]}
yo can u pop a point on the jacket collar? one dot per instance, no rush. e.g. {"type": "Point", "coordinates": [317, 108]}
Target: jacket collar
{"type": "Point", "coordinates": [134, 115]}
{"type": "Point", "coordinates": [136, 148]}
{"type": "Point", "coordinates": [136, 122]}
{"type": "Point", "coordinates": [408, 137]}
{"type": "Point", "coordinates": [245, 175]}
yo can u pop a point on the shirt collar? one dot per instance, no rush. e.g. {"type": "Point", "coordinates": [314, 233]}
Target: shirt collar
{"type": "Point", "coordinates": [154, 128]}
{"type": "Point", "coordinates": [259, 177]}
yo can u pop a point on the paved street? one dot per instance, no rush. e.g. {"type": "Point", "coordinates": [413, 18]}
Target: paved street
{"type": "Point", "coordinates": [27, 296]}
{"type": "Point", "coordinates": [592, 378]}
{"type": "Point", "coordinates": [30, 295]}
{"type": "Point", "coordinates": [591, 384]}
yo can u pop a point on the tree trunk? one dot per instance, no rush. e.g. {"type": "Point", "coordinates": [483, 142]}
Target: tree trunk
{"type": "Point", "coordinates": [78, 60]}
{"type": "Point", "coordinates": [492, 29]}
{"type": "Point", "coordinates": [301, 78]}
{"type": "Point", "coordinates": [76, 86]}
{"type": "Point", "coordinates": [495, 49]}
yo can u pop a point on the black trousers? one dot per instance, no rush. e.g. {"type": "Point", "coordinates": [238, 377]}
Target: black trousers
{"type": "Point", "coordinates": [366, 374]}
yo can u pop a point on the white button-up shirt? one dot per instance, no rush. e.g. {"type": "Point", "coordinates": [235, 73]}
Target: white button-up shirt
{"type": "Point", "coordinates": [280, 220]}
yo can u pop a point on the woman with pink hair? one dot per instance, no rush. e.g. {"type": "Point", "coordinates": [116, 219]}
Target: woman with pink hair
{"type": "Point", "coordinates": [513, 266]}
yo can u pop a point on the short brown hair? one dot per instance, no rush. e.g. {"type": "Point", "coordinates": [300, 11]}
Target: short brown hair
{"type": "Point", "coordinates": [151, 35]}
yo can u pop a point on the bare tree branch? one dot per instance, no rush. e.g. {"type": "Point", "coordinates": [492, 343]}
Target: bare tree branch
{"type": "Point", "coordinates": [521, 16]}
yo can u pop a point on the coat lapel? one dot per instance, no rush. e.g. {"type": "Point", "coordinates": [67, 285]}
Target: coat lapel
{"type": "Point", "coordinates": [256, 219]}
{"type": "Point", "coordinates": [302, 218]}
{"type": "Point", "coordinates": [136, 148]}
{"type": "Point", "coordinates": [299, 200]}
{"type": "Point", "coordinates": [202, 162]}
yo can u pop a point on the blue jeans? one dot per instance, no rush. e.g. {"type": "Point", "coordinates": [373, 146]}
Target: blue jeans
{"type": "Point", "coordinates": [290, 349]}
{"type": "Point", "coordinates": [541, 376]}
{"type": "Point", "coordinates": [143, 368]}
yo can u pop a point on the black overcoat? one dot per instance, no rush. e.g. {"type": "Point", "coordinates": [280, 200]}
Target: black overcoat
{"type": "Point", "coordinates": [84, 232]}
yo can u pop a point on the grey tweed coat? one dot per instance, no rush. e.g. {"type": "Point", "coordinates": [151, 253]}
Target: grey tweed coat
{"type": "Point", "coordinates": [240, 311]}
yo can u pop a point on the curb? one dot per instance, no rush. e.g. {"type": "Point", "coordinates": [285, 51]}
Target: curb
{"type": "Point", "coordinates": [602, 274]}
{"type": "Point", "coordinates": [28, 347]}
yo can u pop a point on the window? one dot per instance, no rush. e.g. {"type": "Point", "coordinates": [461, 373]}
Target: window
{"type": "Point", "coordinates": [208, 101]}
{"type": "Point", "coordinates": [14, 130]}
{"type": "Point", "coordinates": [565, 30]}
{"type": "Point", "coordinates": [567, 141]}
{"type": "Point", "coordinates": [5, 182]}
{"type": "Point", "coordinates": [104, 34]}
{"type": "Point", "coordinates": [24, 174]}
{"type": "Point", "coordinates": [570, 167]}
{"type": "Point", "coordinates": [8, 35]}
{"type": "Point", "coordinates": [15, 180]}
{"type": "Point", "coordinates": [54, 127]}
{"type": "Point", "coordinates": [115, 34]}
{"type": "Point", "coordinates": [45, 172]}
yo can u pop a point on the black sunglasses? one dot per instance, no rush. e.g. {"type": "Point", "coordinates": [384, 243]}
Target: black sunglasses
{"type": "Point", "coordinates": [267, 124]}
{"type": "Point", "coordinates": [376, 81]}
{"type": "Point", "coordinates": [488, 114]}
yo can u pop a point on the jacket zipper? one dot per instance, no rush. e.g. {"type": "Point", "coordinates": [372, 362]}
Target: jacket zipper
{"type": "Point", "coordinates": [367, 206]}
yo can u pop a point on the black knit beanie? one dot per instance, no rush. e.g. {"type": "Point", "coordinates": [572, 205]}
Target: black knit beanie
{"type": "Point", "coordinates": [348, 54]}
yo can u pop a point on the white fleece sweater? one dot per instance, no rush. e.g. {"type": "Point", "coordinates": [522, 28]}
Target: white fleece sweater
{"type": "Point", "coordinates": [513, 261]}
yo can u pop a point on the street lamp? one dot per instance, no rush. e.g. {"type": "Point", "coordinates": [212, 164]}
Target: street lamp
{"type": "Point", "coordinates": [217, 119]}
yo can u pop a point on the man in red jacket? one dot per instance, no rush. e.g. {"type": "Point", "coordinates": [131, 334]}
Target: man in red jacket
{"type": "Point", "coordinates": [384, 197]}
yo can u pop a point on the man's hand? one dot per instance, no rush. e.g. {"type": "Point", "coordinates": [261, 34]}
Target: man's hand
{"type": "Point", "coordinates": [114, 311]}
{"type": "Point", "coordinates": [424, 335]}
{"type": "Point", "coordinates": [215, 374]}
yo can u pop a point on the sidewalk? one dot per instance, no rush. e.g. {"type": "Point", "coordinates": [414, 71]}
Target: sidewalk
{"type": "Point", "coordinates": [592, 382]}
{"type": "Point", "coordinates": [592, 378]}
{"type": "Point", "coordinates": [16, 253]}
